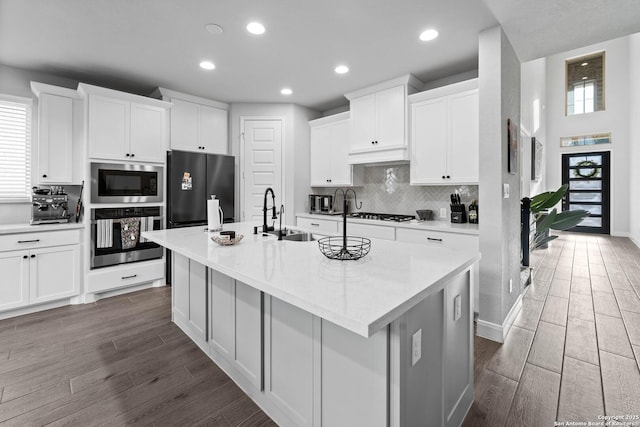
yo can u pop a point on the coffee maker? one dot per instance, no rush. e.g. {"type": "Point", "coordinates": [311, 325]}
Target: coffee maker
{"type": "Point", "coordinates": [49, 205]}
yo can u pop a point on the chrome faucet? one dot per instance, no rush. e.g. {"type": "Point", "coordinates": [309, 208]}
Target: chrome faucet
{"type": "Point", "coordinates": [265, 227]}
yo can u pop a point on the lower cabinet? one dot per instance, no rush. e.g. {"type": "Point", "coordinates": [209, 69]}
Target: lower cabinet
{"type": "Point", "coordinates": [189, 294]}
{"type": "Point", "coordinates": [371, 231]}
{"type": "Point", "coordinates": [38, 276]}
{"type": "Point", "coordinates": [321, 225]}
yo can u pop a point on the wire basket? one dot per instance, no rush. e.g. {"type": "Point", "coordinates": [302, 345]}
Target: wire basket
{"type": "Point", "coordinates": [344, 248]}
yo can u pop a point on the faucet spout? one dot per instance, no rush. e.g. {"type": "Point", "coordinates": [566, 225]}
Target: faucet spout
{"type": "Point", "coordinates": [281, 215]}
{"type": "Point", "coordinates": [265, 227]}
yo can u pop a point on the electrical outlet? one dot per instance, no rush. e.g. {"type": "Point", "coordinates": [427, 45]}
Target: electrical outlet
{"type": "Point", "coordinates": [510, 285]}
{"type": "Point", "coordinates": [443, 212]}
{"type": "Point", "coordinates": [505, 191]}
{"type": "Point", "coordinates": [416, 347]}
{"type": "Point", "coordinates": [457, 307]}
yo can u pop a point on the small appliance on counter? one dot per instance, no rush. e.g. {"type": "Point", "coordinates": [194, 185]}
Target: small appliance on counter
{"type": "Point", "coordinates": [49, 205]}
{"type": "Point", "coordinates": [321, 204]}
{"type": "Point", "coordinates": [458, 210]}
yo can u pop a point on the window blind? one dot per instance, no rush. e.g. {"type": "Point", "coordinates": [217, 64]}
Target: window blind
{"type": "Point", "coordinates": [15, 148]}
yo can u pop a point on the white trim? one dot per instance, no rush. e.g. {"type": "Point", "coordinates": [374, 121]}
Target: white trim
{"type": "Point", "coordinates": [407, 80]}
{"type": "Point", "coordinates": [17, 99]}
{"type": "Point", "coordinates": [495, 332]}
{"type": "Point", "coordinates": [39, 88]}
{"type": "Point", "coordinates": [170, 94]}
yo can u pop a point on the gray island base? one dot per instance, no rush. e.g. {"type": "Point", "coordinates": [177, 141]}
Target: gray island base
{"type": "Point", "coordinates": [383, 341]}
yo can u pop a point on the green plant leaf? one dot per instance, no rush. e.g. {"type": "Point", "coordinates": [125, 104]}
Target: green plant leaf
{"type": "Point", "coordinates": [541, 240]}
{"type": "Point", "coordinates": [548, 199]}
{"type": "Point", "coordinates": [546, 222]}
{"type": "Point", "coordinates": [569, 219]}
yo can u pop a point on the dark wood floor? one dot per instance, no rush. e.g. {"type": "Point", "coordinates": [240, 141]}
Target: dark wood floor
{"type": "Point", "coordinates": [573, 353]}
{"type": "Point", "coordinates": [117, 362]}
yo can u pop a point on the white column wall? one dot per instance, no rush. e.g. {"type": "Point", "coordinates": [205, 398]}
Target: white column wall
{"type": "Point", "coordinates": [634, 138]}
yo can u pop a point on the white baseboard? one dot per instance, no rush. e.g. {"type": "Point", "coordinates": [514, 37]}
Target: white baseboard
{"type": "Point", "coordinates": [93, 297]}
{"type": "Point", "coordinates": [635, 240]}
{"type": "Point", "coordinates": [496, 332]}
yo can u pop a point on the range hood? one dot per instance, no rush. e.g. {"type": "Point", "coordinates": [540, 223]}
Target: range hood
{"type": "Point", "coordinates": [392, 154]}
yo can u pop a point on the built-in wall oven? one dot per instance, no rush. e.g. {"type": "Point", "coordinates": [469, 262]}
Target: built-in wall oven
{"type": "Point", "coordinates": [115, 235]}
{"type": "Point", "coordinates": [126, 183]}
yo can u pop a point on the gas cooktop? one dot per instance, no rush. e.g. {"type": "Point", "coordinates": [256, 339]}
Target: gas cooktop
{"type": "Point", "coordinates": [381, 216]}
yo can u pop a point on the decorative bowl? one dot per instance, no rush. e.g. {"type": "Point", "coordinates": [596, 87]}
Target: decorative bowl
{"type": "Point", "coordinates": [225, 241]}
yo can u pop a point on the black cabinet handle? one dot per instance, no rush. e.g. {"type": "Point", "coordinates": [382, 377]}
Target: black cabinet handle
{"type": "Point", "coordinates": [29, 241]}
{"type": "Point", "coordinates": [33, 255]}
{"type": "Point", "coordinates": [127, 154]}
{"type": "Point", "coordinates": [129, 277]}
{"type": "Point", "coordinates": [132, 155]}
{"type": "Point", "coordinates": [434, 239]}
{"type": "Point", "coordinates": [448, 177]}
{"type": "Point", "coordinates": [44, 176]}
{"type": "Point", "coordinates": [24, 257]}
{"type": "Point", "coordinates": [442, 176]}
{"type": "Point", "coordinates": [315, 224]}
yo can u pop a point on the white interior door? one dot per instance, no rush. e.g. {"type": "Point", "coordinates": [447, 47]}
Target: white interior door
{"type": "Point", "coordinates": [262, 165]}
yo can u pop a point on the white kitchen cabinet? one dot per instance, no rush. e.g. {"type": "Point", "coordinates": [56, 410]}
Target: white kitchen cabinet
{"type": "Point", "coordinates": [122, 126]}
{"type": "Point", "coordinates": [189, 285]}
{"type": "Point", "coordinates": [14, 292]}
{"type": "Point", "coordinates": [197, 124]}
{"type": "Point", "coordinates": [445, 135]}
{"type": "Point", "coordinates": [55, 139]}
{"type": "Point", "coordinates": [235, 330]}
{"type": "Point", "coordinates": [438, 238]}
{"type": "Point", "coordinates": [323, 226]}
{"type": "Point", "coordinates": [379, 121]}
{"type": "Point", "coordinates": [371, 231]}
{"type": "Point", "coordinates": [329, 163]}
{"type": "Point", "coordinates": [39, 267]}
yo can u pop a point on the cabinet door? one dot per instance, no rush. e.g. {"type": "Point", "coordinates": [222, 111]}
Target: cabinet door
{"type": "Point", "coordinates": [371, 231]}
{"type": "Point", "coordinates": [222, 314]}
{"type": "Point", "coordinates": [340, 169]}
{"type": "Point", "coordinates": [391, 117]}
{"type": "Point", "coordinates": [321, 225]}
{"type": "Point", "coordinates": [55, 139]}
{"type": "Point", "coordinates": [289, 351]}
{"type": "Point", "coordinates": [320, 156]}
{"type": "Point", "coordinates": [198, 299]}
{"type": "Point", "coordinates": [184, 125]}
{"type": "Point", "coordinates": [14, 287]}
{"type": "Point", "coordinates": [363, 116]}
{"type": "Point", "coordinates": [54, 273]}
{"type": "Point", "coordinates": [429, 142]}
{"type": "Point", "coordinates": [248, 333]}
{"type": "Point", "coordinates": [213, 130]}
{"type": "Point", "coordinates": [147, 133]}
{"type": "Point", "coordinates": [108, 128]}
{"type": "Point", "coordinates": [463, 155]}
{"type": "Point", "coordinates": [179, 288]}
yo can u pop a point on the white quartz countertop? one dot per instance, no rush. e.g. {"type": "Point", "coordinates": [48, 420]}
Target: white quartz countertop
{"type": "Point", "coordinates": [362, 296]}
{"type": "Point", "coordinates": [28, 228]}
{"type": "Point", "coordinates": [436, 225]}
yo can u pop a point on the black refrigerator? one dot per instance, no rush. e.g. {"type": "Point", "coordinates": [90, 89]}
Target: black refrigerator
{"type": "Point", "coordinates": [192, 178]}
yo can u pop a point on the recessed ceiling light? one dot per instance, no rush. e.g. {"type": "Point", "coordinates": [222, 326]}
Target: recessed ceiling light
{"type": "Point", "coordinates": [213, 29]}
{"type": "Point", "coordinates": [428, 35]}
{"type": "Point", "coordinates": [584, 64]}
{"type": "Point", "coordinates": [341, 69]}
{"type": "Point", "coordinates": [255, 28]}
{"type": "Point", "coordinates": [207, 65]}
{"type": "Point", "coordinates": [286, 91]}
{"type": "Point", "coordinates": [585, 78]}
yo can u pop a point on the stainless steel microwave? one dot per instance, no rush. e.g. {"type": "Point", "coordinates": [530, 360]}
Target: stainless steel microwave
{"type": "Point", "coordinates": [125, 183]}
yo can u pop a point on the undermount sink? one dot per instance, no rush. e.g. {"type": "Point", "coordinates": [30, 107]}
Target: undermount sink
{"type": "Point", "coordinates": [294, 235]}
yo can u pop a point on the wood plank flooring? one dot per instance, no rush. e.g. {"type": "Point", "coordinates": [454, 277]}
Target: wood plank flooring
{"type": "Point", "coordinates": [119, 361]}
{"type": "Point", "coordinates": [573, 353]}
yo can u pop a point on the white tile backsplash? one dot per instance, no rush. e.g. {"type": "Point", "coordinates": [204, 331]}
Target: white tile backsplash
{"type": "Point", "coordinates": [386, 189]}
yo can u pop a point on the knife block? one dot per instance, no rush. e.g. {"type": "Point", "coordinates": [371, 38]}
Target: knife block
{"type": "Point", "coordinates": [458, 213]}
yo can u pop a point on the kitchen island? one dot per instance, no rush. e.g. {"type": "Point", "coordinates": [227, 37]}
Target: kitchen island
{"type": "Point", "coordinates": [382, 341]}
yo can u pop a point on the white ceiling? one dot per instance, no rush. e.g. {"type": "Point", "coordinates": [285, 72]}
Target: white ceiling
{"type": "Point", "coordinates": [137, 45]}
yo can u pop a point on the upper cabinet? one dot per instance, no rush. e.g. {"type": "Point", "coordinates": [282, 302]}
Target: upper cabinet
{"type": "Point", "coordinates": [197, 124]}
{"type": "Point", "coordinates": [122, 126]}
{"type": "Point", "coordinates": [55, 133]}
{"type": "Point", "coordinates": [329, 165]}
{"type": "Point", "coordinates": [379, 121]}
{"type": "Point", "coordinates": [445, 135]}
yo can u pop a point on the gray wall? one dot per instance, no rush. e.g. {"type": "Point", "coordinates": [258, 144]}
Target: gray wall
{"type": "Point", "coordinates": [634, 137]}
{"type": "Point", "coordinates": [499, 88]}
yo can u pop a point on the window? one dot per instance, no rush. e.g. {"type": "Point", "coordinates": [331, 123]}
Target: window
{"type": "Point", "coordinates": [15, 149]}
{"type": "Point", "coordinates": [585, 84]}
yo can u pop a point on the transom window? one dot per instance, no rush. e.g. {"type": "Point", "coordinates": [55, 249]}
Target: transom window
{"type": "Point", "coordinates": [15, 149]}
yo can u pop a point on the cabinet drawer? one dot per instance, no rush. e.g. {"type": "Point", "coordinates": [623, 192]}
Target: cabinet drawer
{"type": "Point", "coordinates": [438, 238]}
{"type": "Point", "coordinates": [126, 275]}
{"type": "Point", "coordinates": [42, 239]}
{"type": "Point", "coordinates": [371, 231]}
{"type": "Point", "coordinates": [323, 225]}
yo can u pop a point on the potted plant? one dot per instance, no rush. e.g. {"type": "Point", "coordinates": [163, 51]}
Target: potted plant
{"type": "Point", "coordinates": [545, 219]}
